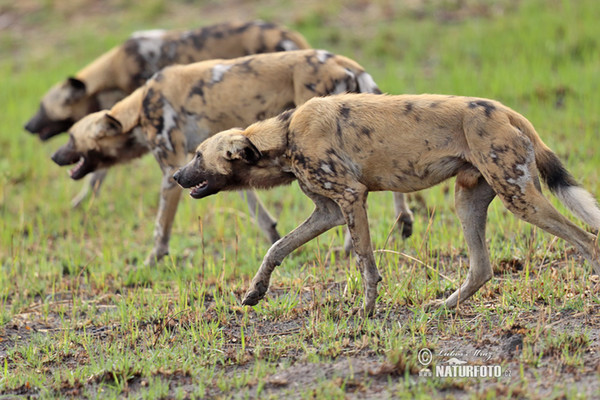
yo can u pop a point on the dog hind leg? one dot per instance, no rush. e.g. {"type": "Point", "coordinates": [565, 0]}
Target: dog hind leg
{"type": "Point", "coordinates": [404, 214]}
{"type": "Point", "coordinates": [326, 215]}
{"type": "Point", "coordinates": [514, 176]}
{"type": "Point", "coordinates": [472, 206]}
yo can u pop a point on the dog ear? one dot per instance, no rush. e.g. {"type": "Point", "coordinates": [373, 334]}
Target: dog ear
{"type": "Point", "coordinates": [108, 126]}
{"type": "Point", "coordinates": [241, 148]}
{"type": "Point", "coordinates": [113, 125]}
{"type": "Point", "coordinates": [77, 88]}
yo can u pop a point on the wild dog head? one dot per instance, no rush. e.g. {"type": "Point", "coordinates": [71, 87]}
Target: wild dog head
{"type": "Point", "coordinates": [99, 141]}
{"type": "Point", "coordinates": [63, 105]}
{"type": "Point", "coordinates": [218, 164]}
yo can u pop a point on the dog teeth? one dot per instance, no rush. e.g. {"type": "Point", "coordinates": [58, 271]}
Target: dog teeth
{"type": "Point", "coordinates": [200, 185]}
{"type": "Point", "coordinates": [77, 166]}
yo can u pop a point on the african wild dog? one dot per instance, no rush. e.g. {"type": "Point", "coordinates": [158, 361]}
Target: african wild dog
{"type": "Point", "coordinates": [183, 105]}
{"type": "Point", "coordinates": [123, 69]}
{"type": "Point", "coordinates": [341, 147]}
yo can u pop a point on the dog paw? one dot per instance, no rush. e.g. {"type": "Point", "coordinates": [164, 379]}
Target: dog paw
{"type": "Point", "coordinates": [252, 298]}
{"type": "Point", "coordinates": [406, 225]}
{"type": "Point", "coordinates": [254, 295]}
{"type": "Point", "coordinates": [154, 257]}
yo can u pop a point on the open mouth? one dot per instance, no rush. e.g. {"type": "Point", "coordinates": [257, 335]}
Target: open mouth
{"type": "Point", "coordinates": [198, 190]}
{"type": "Point", "coordinates": [81, 169]}
{"type": "Point", "coordinates": [77, 167]}
{"type": "Point", "coordinates": [47, 132]}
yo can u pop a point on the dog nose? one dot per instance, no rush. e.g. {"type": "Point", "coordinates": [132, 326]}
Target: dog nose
{"type": "Point", "coordinates": [55, 157]}
{"type": "Point", "coordinates": [29, 127]}
{"type": "Point", "coordinates": [177, 175]}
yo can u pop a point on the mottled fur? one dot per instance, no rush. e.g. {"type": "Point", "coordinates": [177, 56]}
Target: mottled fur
{"type": "Point", "coordinates": [340, 148]}
{"type": "Point", "coordinates": [126, 67]}
{"type": "Point", "coordinates": [183, 105]}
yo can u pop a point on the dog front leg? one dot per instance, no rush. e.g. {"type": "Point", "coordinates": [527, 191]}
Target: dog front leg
{"type": "Point", "coordinates": [95, 182]}
{"type": "Point", "coordinates": [403, 214]}
{"type": "Point", "coordinates": [260, 214]}
{"type": "Point", "coordinates": [170, 192]}
{"type": "Point", "coordinates": [353, 205]}
{"type": "Point", "coordinates": [326, 215]}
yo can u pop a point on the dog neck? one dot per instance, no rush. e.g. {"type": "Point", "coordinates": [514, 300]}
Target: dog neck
{"type": "Point", "coordinates": [100, 74]}
{"type": "Point", "coordinates": [127, 111]}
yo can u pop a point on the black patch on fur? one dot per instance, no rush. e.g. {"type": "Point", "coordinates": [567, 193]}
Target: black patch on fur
{"type": "Point", "coordinates": [554, 173]}
{"type": "Point", "coordinates": [286, 115]}
{"type": "Point", "coordinates": [339, 129]}
{"type": "Point", "coordinates": [261, 115]}
{"type": "Point", "coordinates": [408, 108]}
{"type": "Point", "coordinates": [366, 131]}
{"type": "Point", "coordinates": [489, 107]}
{"type": "Point", "coordinates": [310, 86]}
{"type": "Point", "coordinates": [198, 90]}
{"type": "Point", "coordinates": [345, 112]}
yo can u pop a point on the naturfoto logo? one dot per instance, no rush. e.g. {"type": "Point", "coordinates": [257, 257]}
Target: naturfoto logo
{"type": "Point", "coordinates": [455, 367]}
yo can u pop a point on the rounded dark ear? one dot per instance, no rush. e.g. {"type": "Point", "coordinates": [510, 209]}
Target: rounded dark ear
{"type": "Point", "coordinates": [76, 83]}
{"type": "Point", "coordinates": [251, 153]}
{"type": "Point", "coordinates": [113, 126]}
{"type": "Point", "coordinates": [76, 89]}
{"type": "Point", "coordinates": [243, 149]}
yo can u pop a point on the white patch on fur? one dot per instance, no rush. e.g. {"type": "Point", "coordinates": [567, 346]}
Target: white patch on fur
{"type": "Point", "coordinates": [327, 185]}
{"type": "Point", "coordinates": [323, 55]}
{"type": "Point", "coordinates": [343, 87]}
{"type": "Point", "coordinates": [288, 45]}
{"type": "Point", "coordinates": [218, 71]}
{"type": "Point", "coordinates": [152, 34]}
{"type": "Point", "coordinates": [326, 168]}
{"type": "Point", "coordinates": [366, 84]}
{"type": "Point", "coordinates": [581, 203]}
{"type": "Point", "coordinates": [169, 123]}
{"type": "Point", "coordinates": [150, 48]}
{"type": "Point", "coordinates": [523, 180]}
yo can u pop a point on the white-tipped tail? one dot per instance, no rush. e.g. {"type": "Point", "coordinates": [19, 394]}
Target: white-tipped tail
{"type": "Point", "coordinates": [581, 203]}
{"type": "Point", "coordinates": [366, 84]}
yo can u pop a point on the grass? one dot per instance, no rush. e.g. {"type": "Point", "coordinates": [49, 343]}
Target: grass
{"type": "Point", "coordinates": [81, 316]}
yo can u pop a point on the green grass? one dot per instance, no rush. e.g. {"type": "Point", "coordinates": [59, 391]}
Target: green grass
{"type": "Point", "coordinates": [81, 316]}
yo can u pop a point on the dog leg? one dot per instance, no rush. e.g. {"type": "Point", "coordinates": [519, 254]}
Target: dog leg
{"type": "Point", "coordinates": [326, 215]}
{"type": "Point", "coordinates": [265, 221]}
{"type": "Point", "coordinates": [353, 206]}
{"type": "Point", "coordinates": [520, 194]}
{"type": "Point", "coordinates": [404, 214]}
{"type": "Point", "coordinates": [471, 207]}
{"type": "Point", "coordinates": [95, 182]}
{"type": "Point", "coordinates": [170, 192]}
{"type": "Point", "coordinates": [540, 212]}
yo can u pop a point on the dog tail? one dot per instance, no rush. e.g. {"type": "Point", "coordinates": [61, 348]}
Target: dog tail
{"type": "Point", "coordinates": [567, 189]}
{"type": "Point", "coordinates": [560, 181]}
{"type": "Point", "coordinates": [366, 84]}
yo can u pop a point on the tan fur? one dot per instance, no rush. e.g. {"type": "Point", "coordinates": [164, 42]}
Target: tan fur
{"type": "Point", "coordinates": [183, 105]}
{"type": "Point", "coordinates": [340, 148]}
{"type": "Point", "coordinates": [121, 70]}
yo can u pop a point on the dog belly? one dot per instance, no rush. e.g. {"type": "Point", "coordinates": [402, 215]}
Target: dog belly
{"type": "Point", "coordinates": [406, 177]}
